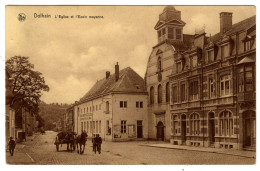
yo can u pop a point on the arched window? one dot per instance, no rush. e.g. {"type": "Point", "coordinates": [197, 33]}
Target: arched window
{"type": "Point", "coordinates": [107, 106]}
{"type": "Point", "coordinates": [194, 124]}
{"type": "Point", "coordinates": [151, 95]}
{"type": "Point", "coordinates": [167, 92]}
{"type": "Point", "coordinates": [159, 93]}
{"type": "Point", "coordinates": [159, 64]}
{"type": "Point", "coordinates": [226, 124]}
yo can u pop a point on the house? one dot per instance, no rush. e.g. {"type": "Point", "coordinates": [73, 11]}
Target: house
{"type": "Point", "coordinates": [115, 107]}
{"type": "Point", "coordinates": [213, 88]}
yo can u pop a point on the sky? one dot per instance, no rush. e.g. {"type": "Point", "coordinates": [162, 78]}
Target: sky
{"type": "Point", "coordinates": [72, 54]}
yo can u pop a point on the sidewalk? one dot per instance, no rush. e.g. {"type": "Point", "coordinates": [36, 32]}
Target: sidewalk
{"type": "Point", "coordinates": [20, 156]}
{"type": "Point", "coordinates": [241, 153]}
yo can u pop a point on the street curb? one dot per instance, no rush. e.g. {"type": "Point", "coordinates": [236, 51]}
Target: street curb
{"type": "Point", "coordinates": [216, 152]}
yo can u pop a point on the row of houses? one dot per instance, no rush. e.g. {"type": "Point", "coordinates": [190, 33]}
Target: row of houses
{"type": "Point", "coordinates": [197, 90]}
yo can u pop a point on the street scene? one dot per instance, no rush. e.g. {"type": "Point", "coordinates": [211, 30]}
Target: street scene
{"type": "Point", "coordinates": [40, 150]}
{"type": "Point", "coordinates": [130, 85]}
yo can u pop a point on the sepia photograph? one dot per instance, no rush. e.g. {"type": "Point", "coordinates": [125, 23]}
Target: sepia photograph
{"type": "Point", "coordinates": [130, 85]}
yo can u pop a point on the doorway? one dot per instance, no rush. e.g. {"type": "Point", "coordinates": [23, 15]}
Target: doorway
{"type": "Point", "coordinates": [140, 129]}
{"type": "Point", "coordinates": [160, 131]}
{"type": "Point", "coordinates": [211, 122]}
{"type": "Point", "coordinates": [249, 124]}
{"type": "Point", "coordinates": [183, 128]}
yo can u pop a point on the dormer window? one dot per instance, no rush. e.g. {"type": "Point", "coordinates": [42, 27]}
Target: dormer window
{"type": "Point", "coordinates": [210, 56]}
{"type": "Point", "coordinates": [224, 51]}
{"type": "Point", "coordinates": [179, 67]}
{"type": "Point", "coordinates": [194, 61]}
{"type": "Point", "coordinates": [248, 45]}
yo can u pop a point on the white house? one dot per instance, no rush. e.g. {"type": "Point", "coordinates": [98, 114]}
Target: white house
{"type": "Point", "coordinates": [115, 107]}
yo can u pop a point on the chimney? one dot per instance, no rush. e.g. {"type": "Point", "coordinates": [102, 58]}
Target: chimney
{"type": "Point", "coordinates": [107, 74]}
{"type": "Point", "coordinates": [225, 22]}
{"type": "Point", "coordinates": [116, 71]}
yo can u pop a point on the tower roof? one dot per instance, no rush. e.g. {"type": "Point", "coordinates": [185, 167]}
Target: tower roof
{"type": "Point", "coordinates": [169, 8]}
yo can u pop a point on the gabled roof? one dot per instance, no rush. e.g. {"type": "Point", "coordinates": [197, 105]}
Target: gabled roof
{"type": "Point", "coordinates": [129, 82]}
{"type": "Point", "coordinates": [240, 26]}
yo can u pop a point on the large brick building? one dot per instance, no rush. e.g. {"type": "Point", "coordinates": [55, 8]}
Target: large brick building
{"type": "Point", "coordinates": [203, 93]}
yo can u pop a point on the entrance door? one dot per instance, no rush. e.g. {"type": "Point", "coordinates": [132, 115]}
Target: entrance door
{"type": "Point", "coordinates": [139, 129]}
{"type": "Point", "coordinates": [160, 131]}
{"type": "Point", "coordinates": [249, 128]}
{"type": "Point", "coordinates": [183, 128]}
{"type": "Point", "coordinates": [211, 128]}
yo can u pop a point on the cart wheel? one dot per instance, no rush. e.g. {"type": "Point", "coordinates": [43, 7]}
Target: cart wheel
{"type": "Point", "coordinates": [57, 146]}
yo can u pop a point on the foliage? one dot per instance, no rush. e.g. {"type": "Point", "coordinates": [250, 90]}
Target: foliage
{"type": "Point", "coordinates": [52, 113]}
{"type": "Point", "coordinates": [27, 84]}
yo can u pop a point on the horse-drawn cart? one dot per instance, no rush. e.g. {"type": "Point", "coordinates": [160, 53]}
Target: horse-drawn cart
{"type": "Point", "coordinates": [65, 138]}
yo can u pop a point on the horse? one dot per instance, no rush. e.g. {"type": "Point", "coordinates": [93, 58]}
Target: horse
{"type": "Point", "coordinates": [70, 140]}
{"type": "Point", "coordinates": [81, 141]}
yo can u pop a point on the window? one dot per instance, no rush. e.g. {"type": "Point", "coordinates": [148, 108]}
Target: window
{"type": "Point", "coordinates": [179, 67]}
{"type": "Point", "coordinates": [87, 126]}
{"type": "Point", "coordinates": [224, 51]}
{"type": "Point", "coordinates": [226, 124]}
{"type": "Point", "coordinates": [183, 92]}
{"type": "Point", "coordinates": [84, 126]}
{"type": "Point", "coordinates": [107, 106]}
{"type": "Point", "coordinates": [159, 64]}
{"type": "Point", "coordinates": [211, 88]}
{"type": "Point", "coordinates": [81, 126]}
{"type": "Point", "coordinates": [248, 45]}
{"type": "Point", "coordinates": [159, 33]}
{"type": "Point", "coordinates": [96, 126]}
{"type": "Point", "coordinates": [163, 31]}
{"type": "Point", "coordinates": [170, 33]}
{"type": "Point", "coordinates": [225, 85]}
{"type": "Point", "coordinates": [87, 109]}
{"type": "Point", "coordinates": [99, 127]}
{"type": "Point", "coordinates": [210, 56]}
{"type": "Point", "coordinates": [159, 94]}
{"type": "Point", "coordinates": [194, 124]}
{"type": "Point", "coordinates": [193, 90]}
{"type": "Point", "coordinates": [91, 126]}
{"type": "Point", "coordinates": [194, 61]}
{"type": "Point", "coordinates": [167, 92]}
{"type": "Point", "coordinates": [123, 104]}
{"type": "Point", "coordinates": [174, 94]}
{"type": "Point", "coordinates": [249, 78]}
{"type": "Point", "coordinates": [241, 80]}
{"type": "Point", "coordinates": [123, 126]}
{"type": "Point", "coordinates": [175, 125]}
{"type": "Point", "coordinates": [139, 104]}
{"type": "Point", "coordinates": [84, 110]}
{"type": "Point", "coordinates": [99, 106]}
{"type": "Point", "coordinates": [96, 107]}
{"type": "Point", "coordinates": [178, 34]}
{"type": "Point", "coordinates": [151, 95]}
{"type": "Point", "coordinates": [108, 129]}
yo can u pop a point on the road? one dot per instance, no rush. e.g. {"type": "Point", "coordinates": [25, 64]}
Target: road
{"type": "Point", "coordinates": [41, 151]}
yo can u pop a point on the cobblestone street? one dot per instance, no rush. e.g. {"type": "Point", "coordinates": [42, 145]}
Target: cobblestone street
{"type": "Point", "coordinates": [41, 150]}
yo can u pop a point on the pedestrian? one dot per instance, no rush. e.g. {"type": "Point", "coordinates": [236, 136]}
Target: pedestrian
{"type": "Point", "coordinates": [98, 141]}
{"type": "Point", "coordinates": [11, 144]}
{"type": "Point", "coordinates": [94, 143]}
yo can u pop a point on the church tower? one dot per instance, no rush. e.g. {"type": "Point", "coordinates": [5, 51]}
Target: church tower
{"type": "Point", "coordinates": [170, 26]}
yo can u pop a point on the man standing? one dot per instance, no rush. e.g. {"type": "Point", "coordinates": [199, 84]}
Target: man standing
{"type": "Point", "coordinates": [98, 141]}
{"type": "Point", "coordinates": [11, 144]}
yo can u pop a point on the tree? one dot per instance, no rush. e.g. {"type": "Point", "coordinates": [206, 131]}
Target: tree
{"type": "Point", "coordinates": [27, 84]}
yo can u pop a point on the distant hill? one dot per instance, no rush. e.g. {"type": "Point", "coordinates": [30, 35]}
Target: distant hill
{"type": "Point", "coordinates": [52, 113]}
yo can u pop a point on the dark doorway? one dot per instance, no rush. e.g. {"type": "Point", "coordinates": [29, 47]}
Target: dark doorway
{"type": "Point", "coordinates": [160, 131]}
{"type": "Point", "coordinates": [183, 128]}
{"type": "Point", "coordinates": [139, 129]}
{"type": "Point", "coordinates": [211, 128]}
{"type": "Point", "coordinates": [249, 124]}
